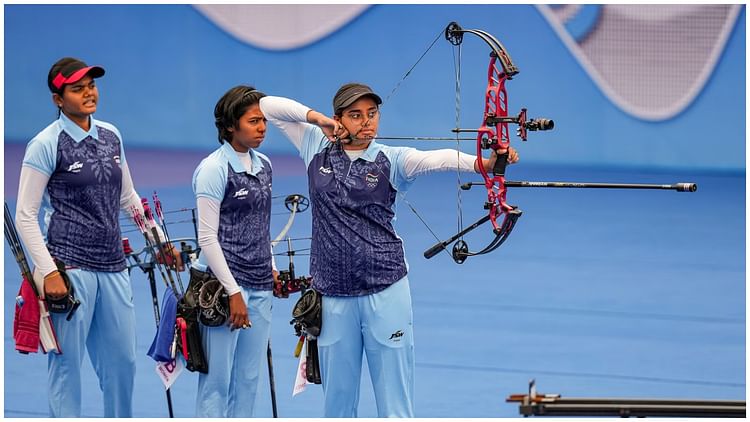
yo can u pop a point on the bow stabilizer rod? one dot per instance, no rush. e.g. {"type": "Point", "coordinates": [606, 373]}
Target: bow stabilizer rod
{"type": "Point", "coordinates": [679, 187]}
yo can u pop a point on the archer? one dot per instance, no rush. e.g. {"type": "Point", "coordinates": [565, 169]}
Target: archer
{"type": "Point", "coordinates": [236, 267]}
{"type": "Point", "coordinates": [357, 260]}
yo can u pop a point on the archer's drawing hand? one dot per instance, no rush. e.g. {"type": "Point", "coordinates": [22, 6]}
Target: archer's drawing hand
{"type": "Point", "coordinates": [332, 129]}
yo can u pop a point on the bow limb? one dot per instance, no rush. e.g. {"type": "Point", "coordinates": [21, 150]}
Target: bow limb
{"type": "Point", "coordinates": [461, 249]}
{"type": "Point", "coordinates": [286, 228]}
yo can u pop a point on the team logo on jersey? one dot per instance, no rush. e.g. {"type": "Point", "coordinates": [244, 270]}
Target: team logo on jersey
{"type": "Point", "coordinates": [371, 180]}
{"type": "Point", "coordinates": [241, 194]}
{"type": "Point", "coordinates": [397, 336]}
{"type": "Point", "coordinates": [325, 170]}
{"type": "Point", "coordinates": [75, 167]}
{"type": "Point", "coordinates": [117, 159]}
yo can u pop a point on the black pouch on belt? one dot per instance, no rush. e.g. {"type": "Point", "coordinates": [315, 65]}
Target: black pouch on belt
{"type": "Point", "coordinates": [307, 317]}
{"type": "Point", "coordinates": [188, 331]}
{"type": "Point", "coordinates": [213, 303]}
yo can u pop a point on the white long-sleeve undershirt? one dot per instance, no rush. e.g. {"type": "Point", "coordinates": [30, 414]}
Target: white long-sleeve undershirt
{"type": "Point", "coordinates": [287, 115]}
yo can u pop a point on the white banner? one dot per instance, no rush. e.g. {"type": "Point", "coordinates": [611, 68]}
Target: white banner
{"type": "Point", "coordinates": [169, 371]}
{"type": "Point", "coordinates": [300, 381]}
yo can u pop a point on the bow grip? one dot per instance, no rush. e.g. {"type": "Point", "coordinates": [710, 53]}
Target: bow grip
{"type": "Point", "coordinates": [500, 163]}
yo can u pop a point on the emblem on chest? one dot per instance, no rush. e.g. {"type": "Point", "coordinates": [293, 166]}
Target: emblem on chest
{"type": "Point", "coordinates": [240, 194]}
{"type": "Point", "coordinates": [371, 180]}
{"type": "Point", "coordinates": [325, 170]}
{"type": "Point", "coordinates": [75, 167]}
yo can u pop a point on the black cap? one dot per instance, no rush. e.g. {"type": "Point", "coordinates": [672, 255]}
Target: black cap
{"type": "Point", "coordinates": [69, 70]}
{"type": "Point", "coordinates": [348, 94]}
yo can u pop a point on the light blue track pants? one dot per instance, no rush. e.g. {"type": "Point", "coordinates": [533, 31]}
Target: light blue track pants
{"type": "Point", "coordinates": [235, 359]}
{"type": "Point", "coordinates": [104, 324]}
{"type": "Point", "coordinates": [381, 325]}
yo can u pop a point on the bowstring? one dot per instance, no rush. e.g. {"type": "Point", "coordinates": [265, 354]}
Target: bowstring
{"type": "Point", "coordinates": [414, 210]}
{"type": "Point", "coordinates": [459, 202]}
{"type": "Point", "coordinates": [393, 91]}
{"type": "Point", "coordinates": [408, 72]}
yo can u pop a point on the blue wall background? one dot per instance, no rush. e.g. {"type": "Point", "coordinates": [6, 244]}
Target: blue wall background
{"type": "Point", "coordinates": [599, 293]}
{"type": "Point", "coordinates": [168, 64]}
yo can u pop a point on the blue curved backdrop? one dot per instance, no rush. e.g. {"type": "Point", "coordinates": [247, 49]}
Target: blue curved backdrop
{"type": "Point", "coordinates": [168, 64]}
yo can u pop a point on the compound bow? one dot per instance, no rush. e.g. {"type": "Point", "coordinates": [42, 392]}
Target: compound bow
{"type": "Point", "coordinates": [494, 134]}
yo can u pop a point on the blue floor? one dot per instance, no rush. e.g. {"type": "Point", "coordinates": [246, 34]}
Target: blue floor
{"type": "Point", "coordinates": [597, 293]}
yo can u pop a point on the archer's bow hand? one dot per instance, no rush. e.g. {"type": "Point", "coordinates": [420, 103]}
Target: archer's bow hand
{"type": "Point", "coordinates": [173, 258]}
{"type": "Point", "coordinates": [276, 281]}
{"type": "Point", "coordinates": [513, 156]}
{"type": "Point", "coordinates": [489, 163]}
{"type": "Point", "coordinates": [54, 285]}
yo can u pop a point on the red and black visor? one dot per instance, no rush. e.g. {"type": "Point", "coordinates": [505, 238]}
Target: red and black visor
{"type": "Point", "coordinates": [75, 73]}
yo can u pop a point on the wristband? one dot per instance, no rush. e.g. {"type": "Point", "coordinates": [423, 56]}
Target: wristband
{"type": "Point", "coordinates": [52, 274]}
